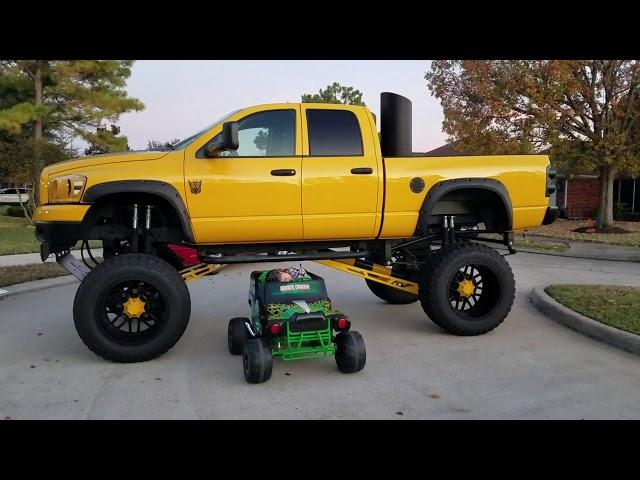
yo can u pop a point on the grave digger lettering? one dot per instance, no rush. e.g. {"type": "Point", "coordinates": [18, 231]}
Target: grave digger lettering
{"type": "Point", "coordinates": [298, 286]}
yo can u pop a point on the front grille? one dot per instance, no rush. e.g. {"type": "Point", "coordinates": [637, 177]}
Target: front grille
{"type": "Point", "coordinates": [306, 322]}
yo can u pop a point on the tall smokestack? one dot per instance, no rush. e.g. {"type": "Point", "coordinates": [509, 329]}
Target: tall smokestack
{"type": "Point", "coordinates": [395, 125]}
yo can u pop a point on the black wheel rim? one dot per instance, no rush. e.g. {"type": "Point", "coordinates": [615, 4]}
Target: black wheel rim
{"type": "Point", "coordinates": [474, 291]}
{"type": "Point", "coordinates": [132, 312]}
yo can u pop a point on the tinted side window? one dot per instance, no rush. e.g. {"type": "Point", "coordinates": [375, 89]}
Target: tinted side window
{"type": "Point", "coordinates": [333, 133]}
{"type": "Point", "coordinates": [266, 134]}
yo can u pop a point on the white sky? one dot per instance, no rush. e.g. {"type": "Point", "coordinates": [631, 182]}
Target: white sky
{"type": "Point", "coordinates": [182, 97]}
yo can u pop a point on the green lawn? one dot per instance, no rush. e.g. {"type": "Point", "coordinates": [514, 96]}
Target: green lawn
{"type": "Point", "coordinates": [615, 306]}
{"type": "Point", "coordinates": [17, 236]}
{"type": "Point", "coordinates": [538, 245]}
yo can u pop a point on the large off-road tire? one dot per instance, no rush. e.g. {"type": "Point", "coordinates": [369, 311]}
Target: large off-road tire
{"type": "Point", "coordinates": [468, 289]}
{"type": "Point", "coordinates": [390, 294]}
{"type": "Point", "coordinates": [257, 360]}
{"type": "Point", "coordinates": [131, 308]}
{"type": "Point", "coordinates": [237, 334]}
{"type": "Point", "coordinates": [351, 354]}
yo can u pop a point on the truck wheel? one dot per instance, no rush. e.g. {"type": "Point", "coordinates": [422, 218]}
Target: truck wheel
{"type": "Point", "coordinates": [351, 354]}
{"type": "Point", "coordinates": [390, 294]}
{"type": "Point", "coordinates": [131, 308]}
{"type": "Point", "coordinates": [237, 334]}
{"type": "Point", "coordinates": [257, 360]}
{"type": "Point", "coordinates": [468, 289]}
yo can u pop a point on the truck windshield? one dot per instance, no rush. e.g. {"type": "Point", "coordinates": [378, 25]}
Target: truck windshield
{"type": "Point", "coordinates": [187, 141]}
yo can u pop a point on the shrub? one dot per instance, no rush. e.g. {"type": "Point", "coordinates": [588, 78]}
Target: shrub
{"type": "Point", "coordinates": [15, 212]}
{"type": "Point", "coordinates": [619, 210]}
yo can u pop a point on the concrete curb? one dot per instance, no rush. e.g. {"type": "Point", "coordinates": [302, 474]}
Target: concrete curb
{"type": "Point", "coordinates": [575, 321]}
{"type": "Point", "coordinates": [568, 254]}
{"type": "Point", "coordinates": [27, 287]}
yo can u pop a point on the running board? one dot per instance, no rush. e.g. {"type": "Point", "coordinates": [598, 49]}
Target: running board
{"type": "Point", "coordinates": [330, 255]}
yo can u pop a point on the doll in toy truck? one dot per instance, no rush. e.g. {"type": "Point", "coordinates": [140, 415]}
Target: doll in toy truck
{"type": "Point", "coordinates": [292, 317]}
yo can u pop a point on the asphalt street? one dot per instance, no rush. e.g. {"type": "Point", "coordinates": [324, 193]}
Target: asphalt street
{"type": "Point", "coordinates": [530, 367]}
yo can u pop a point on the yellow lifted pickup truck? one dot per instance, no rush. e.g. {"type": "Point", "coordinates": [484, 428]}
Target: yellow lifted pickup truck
{"type": "Point", "coordinates": [289, 182]}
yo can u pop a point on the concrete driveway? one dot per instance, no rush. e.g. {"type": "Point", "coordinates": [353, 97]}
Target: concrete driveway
{"type": "Point", "coordinates": [529, 367]}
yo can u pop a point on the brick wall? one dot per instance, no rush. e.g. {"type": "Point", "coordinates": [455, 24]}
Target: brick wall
{"type": "Point", "coordinates": [582, 197]}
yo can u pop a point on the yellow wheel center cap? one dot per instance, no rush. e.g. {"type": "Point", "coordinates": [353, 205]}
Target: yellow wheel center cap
{"type": "Point", "coordinates": [466, 288]}
{"type": "Point", "coordinates": [134, 307]}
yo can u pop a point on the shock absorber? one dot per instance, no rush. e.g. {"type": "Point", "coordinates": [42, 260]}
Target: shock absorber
{"type": "Point", "coordinates": [147, 227]}
{"type": "Point", "coordinates": [134, 238]}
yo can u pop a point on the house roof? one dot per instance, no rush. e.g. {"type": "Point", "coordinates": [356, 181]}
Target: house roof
{"type": "Point", "coordinates": [446, 150]}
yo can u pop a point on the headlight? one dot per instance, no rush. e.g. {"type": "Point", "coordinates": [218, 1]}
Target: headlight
{"type": "Point", "coordinates": [66, 189]}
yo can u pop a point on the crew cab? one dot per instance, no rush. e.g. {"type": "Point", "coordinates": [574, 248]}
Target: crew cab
{"type": "Point", "coordinates": [301, 173]}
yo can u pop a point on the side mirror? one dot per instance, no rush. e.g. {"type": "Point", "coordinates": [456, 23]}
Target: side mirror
{"type": "Point", "coordinates": [228, 140]}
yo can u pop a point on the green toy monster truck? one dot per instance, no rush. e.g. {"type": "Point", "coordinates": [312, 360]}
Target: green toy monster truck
{"type": "Point", "coordinates": [294, 320]}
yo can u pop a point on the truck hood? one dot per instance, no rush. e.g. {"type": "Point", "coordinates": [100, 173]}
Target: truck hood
{"type": "Point", "coordinates": [80, 163]}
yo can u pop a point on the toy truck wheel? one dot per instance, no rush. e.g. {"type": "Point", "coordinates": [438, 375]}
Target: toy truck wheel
{"type": "Point", "coordinates": [131, 308]}
{"type": "Point", "coordinates": [237, 334]}
{"type": "Point", "coordinates": [390, 294]}
{"type": "Point", "coordinates": [468, 289]}
{"type": "Point", "coordinates": [351, 354]}
{"type": "Point", "coordinates": [257, 360]}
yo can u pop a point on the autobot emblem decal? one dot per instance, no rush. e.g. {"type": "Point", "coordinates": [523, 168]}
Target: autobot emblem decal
{"type": "Point", "coordinates": [195, 186]}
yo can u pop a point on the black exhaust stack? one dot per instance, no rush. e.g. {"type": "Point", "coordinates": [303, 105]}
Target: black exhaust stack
{"type": "Point", "coordinates": [395, 125]}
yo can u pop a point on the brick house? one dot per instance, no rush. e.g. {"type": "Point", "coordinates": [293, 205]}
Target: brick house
{"type": "Point", "coordinates": [578, 195]}
{"type": "Point", "coordinates": [7, 182]}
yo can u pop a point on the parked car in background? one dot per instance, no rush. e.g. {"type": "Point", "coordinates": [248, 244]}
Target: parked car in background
{"type": "Point", "coordinates": [9, 196]}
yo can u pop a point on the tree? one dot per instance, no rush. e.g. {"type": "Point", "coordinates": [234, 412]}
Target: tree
{"type": "Point", "coordinates": [586, 111]}
{"type": "Point", "coordinates": [106, 140]}
{"type": "Point", "coordinates": [158, 145]}
{"type": "Point", "coordinates": [57, 101]}
{"type": "Point", "coordinates": [335, 93]}
{"type": "Point", "coordinates": [261, 140]}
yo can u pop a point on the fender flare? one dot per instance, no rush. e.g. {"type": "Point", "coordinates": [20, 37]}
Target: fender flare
{"type": "Point", "coordinates": [440, 189]}
{"type": "Point", "coordinates": [158, 188]}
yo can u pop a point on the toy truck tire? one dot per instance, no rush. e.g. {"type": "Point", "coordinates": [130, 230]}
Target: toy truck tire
{"type": "Point", "coordinates": [257, 360]}
{"type": "Point", "coordinates": [452, 303]}
{"type": "Point", "coordinates": [237, 334]}
{"type": "Point", "coordinates": [143, 292]}
{"type": "Point", "coordinates": [391, 295]}
{"type": "Point", "coordinates": [351, 354]}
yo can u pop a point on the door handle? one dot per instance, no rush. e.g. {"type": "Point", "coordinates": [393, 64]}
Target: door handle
{"type": "Point", "coordinates": [362, 171]}
{"type": "Point", "coordinates": [283, 172]}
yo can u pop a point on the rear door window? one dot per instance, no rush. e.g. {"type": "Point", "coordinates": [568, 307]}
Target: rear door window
{"type": "Point", "coordinates": [333, 133]}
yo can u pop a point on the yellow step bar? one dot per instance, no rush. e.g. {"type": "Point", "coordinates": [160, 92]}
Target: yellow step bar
{"type": "Point", "coordinates": [200, 270]}
{"type": "Point", "coordinates": [378, 273]}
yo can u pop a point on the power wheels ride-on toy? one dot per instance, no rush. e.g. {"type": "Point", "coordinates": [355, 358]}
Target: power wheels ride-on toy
{"type": "Point", "coordinates": [293, 320]}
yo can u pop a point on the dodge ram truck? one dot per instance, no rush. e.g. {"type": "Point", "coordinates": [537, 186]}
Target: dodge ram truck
{"type": "Point", "coordinates": [289, 182]}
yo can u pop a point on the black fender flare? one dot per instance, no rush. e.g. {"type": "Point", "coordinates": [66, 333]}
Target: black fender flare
{"type": "Point", "coordinates": [161, 189]}
{"type": "Point", "coordinates": [440, 189]}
